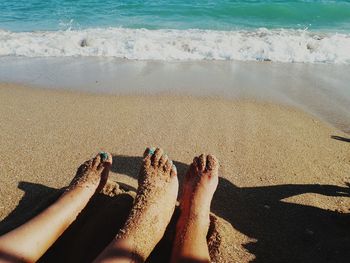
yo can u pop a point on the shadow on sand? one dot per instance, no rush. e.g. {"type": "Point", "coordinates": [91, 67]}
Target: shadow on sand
{"type": "Point", "coordinates": [284, 231]}
{"type": "Point", "coordinates": [94, 228]}
{"type": "Point", "coordinates": [339, 138]}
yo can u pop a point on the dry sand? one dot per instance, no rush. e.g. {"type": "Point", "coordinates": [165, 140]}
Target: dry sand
{"type": "Point", "coordinates": [284, 190]}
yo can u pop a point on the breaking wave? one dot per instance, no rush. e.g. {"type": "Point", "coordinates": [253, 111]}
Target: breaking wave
{"type": "Point", "coordinates": [284, 45]}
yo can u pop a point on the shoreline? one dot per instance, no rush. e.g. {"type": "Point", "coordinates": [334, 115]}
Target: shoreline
{"type": "Point", "coordinates": [320, 90]}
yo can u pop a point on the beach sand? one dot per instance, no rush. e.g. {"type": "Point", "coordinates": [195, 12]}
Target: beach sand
{"type": "Point", "coordinates": [283, 194]}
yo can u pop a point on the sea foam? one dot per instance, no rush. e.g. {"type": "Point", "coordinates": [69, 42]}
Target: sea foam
{"type": "Point", "coordinates": [285, 45]}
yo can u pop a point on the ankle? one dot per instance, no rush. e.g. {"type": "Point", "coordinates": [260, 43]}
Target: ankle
{"type": "Point", "coordinates": [196, 215]}
{"type": "Point", "coordinates": [191, 222]}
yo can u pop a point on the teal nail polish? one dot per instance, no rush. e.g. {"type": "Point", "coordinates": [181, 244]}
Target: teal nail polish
{"type": "Point", "coordinates": [104, 156]}
{"type": "Point", "coordinates": [152, 150]}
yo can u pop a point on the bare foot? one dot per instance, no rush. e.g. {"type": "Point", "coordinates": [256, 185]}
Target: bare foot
{"type": "Point", "coordinates": [28, 242]}
{"type": "Point", "coordinates": [192, 227]}
{"type": "Point", "coordinates": [199, 186]}
{"type": "Point", "coordinates": [93, 173]}
{"type": "Point", "coordinates": [153, 206]}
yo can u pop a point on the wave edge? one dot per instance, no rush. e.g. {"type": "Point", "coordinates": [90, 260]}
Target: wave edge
{"type": "Point", "coordinates": [279, 45]}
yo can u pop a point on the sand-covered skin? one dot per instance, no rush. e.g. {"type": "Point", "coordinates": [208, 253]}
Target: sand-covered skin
{"type": "Point", "coordinates": [154, 203]}
{"type": "Point", "coordinates": [200, 183]}
{"type": "Point", "coordinates": [106, 214]}
{"type": "Point", "coordinates": [283, 178]}
{"type": "Point", "coordinates": [93, 173]}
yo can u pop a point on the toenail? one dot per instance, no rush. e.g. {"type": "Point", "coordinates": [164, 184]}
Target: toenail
{"type": "Point", "coordinates": [174, 167]}
{"type": "Point", "coordinates": [104, 156]}
{"type": "Point", "coordinates": [152, 150]}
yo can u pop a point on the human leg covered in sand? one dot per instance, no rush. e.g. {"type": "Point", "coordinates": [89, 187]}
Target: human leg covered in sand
{"type": "Point", "coordinates": [151, 212]}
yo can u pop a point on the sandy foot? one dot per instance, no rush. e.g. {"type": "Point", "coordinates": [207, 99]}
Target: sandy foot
{"type": "Point", "coordinates": [154, 203]}
{"type": "Point", "coordinates": [199, 186]}
{"type": "Point", "coordinates": [200, 183]}
{"type": "Point", "coordinates": [93, 173]}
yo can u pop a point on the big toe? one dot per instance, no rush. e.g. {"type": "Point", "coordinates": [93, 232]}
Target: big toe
{"type": "Point", "coordinates": [102, 160]}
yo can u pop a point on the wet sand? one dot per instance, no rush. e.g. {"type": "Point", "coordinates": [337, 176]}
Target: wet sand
{"type": "Point", "coordinates": [319, 89]}
{"type": "Point", "coordinates": [284, 190]}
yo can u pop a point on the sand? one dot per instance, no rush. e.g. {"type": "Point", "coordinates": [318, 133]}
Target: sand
{"type": "Point", "coordinates": [320, 89]}
{"type": "Point", "coordinates": [284, 190]}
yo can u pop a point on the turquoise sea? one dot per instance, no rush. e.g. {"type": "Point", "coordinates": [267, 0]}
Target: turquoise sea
{"type": "Point", "coordinates": [288, 31]}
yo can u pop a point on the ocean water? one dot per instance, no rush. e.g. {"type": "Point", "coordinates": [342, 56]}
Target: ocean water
{"type": "Point", "coordinates": [309, 31]}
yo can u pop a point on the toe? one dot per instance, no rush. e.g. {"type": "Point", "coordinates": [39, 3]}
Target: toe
{"type": "Point", "coordinates": [195, 163]}
{"type": "Point", "coordinates": [202, 162]}
{"type": "Point", "coordinates": [96, 161]}
{"type": "Point", "coordinates": [84, 167]}
{"type": "Point", "coordinates": [163, 160]}
{"type": "Point", "coordinates": [149, 151]}
{"type": "Point", "coordinates": [147, 157]}
{"type": "Point", "coordinates": [147, 161]}
{"type": "Point", "coordinates": [212, 163]}
{"type": "Point", "coordinates": [173, 171]}
{"type": "Point", "coordinates": [105, 160]}
{"type": "Point", "coordinates": [168, 165]}
{"type": "Point", "coordinates": [105, 156]}
{"type": "Point", "coordinates": [88, 163]}
{"type": "Point", "coordinates": [109, 159]}
{"type": "Point", "coordinates": [156, 156]}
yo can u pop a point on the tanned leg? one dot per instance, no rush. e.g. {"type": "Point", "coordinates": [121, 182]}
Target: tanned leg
{"type": "Point", "coordinates": [151, 213]}
{"type": "Point", "coordinates": [29, 242]}
{"type": "Point", "coordinates": [199, 186]}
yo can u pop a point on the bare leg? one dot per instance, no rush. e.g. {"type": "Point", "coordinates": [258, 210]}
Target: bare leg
{"type": "Point", "coordinates": [151, 213]}
{"type": "Point", "coordinates": [30, 241]}
{"type": "Point", "coordinates": [199, 186]}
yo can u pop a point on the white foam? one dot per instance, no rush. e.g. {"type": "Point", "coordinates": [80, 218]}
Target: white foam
{"type": "Point", "coordinates": [141, 44]}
